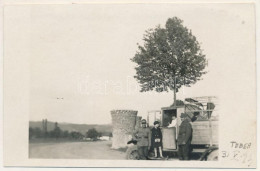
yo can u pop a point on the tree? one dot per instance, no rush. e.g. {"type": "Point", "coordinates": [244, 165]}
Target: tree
{"type": "Point", "coordinates": [170, 58]}
{"type": "Point", "coordinates": [65, 134]}
{"type": "Point", "coordinates": [30, 132]}
{"type": "Point", "coordinates": [93, 134]}
{"type": "Point", "coordinates": [57, 131]}
{"type": "Point", "coordinates": [76, 135]}
{"type": "Point", "coordinates": [35, 132]}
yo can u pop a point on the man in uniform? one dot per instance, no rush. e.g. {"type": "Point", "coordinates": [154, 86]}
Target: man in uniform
{"type": "Point", "coordinates": [184, 137]}
{"type": "Point", "coordinates": [143, 137]}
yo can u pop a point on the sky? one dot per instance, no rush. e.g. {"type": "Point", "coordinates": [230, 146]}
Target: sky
{"type": "Point", "coordinates": [80, 66]}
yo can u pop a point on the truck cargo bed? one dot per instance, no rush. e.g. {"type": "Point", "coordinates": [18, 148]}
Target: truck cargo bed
{"type": "Point", "coordinates": [205, 132]}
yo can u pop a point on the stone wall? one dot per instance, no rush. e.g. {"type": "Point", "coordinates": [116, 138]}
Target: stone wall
{"type": "Point", "coordinates": [138, 122]}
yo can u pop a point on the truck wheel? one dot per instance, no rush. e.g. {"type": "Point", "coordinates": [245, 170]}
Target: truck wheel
{"type": "Point", "coordinates": [213, 156]}
{"type": "Point", "coordinates": [132, 153]}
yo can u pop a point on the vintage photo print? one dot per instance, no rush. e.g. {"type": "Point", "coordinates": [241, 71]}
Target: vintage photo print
{"type": "Point", "coordinates": [130, 85]}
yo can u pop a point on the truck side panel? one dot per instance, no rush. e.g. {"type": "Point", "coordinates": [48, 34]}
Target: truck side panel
{"type": "Point", "coordinates": [203, 134]}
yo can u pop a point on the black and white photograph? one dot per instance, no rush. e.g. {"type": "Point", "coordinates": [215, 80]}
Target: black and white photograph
{"type": "Point", "coordinates": [130, 85]}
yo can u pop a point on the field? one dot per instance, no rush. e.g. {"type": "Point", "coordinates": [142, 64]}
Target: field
{"type": "Point", "coordinates": [75, 150]}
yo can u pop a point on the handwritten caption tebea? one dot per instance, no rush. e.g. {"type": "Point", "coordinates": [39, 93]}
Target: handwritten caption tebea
{"type": "Point", "coordinates": [239, 152]}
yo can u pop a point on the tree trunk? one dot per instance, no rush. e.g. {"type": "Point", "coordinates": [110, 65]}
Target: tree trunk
{"type": "Point", "coordinates": [174, 93]}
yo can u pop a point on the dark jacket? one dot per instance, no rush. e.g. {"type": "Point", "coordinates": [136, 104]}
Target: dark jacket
{"type": "Point", "coordinates": [143, 136]}
{"type": "Point", "coordinates": [156, 133]}
{"type": "Point", "coordinates": [185, 133]}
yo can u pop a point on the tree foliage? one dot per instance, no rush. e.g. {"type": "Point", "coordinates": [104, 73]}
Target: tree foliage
{"type": "Point", "coordinates": [93, 134]}
{"type": "Point", "coordinates": [56, 133]}
{"type": "Point", "coordinates": [35, 132]}
{"type": "Point", "coordinates": [169, 55]}
{"type": "Point", "coordinates": [76, 135]}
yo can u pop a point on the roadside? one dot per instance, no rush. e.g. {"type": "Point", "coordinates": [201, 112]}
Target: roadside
{"type": "Point", "coordinates": [75, 150]}
{"type": "Point", "coordinates": [85, 150]}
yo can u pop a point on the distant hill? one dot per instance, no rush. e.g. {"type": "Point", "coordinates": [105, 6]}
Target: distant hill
{"type": "Point", "coordinates": [82, 128]}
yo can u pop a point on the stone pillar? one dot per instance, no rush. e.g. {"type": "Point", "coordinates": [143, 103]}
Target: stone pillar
{"type": "Point", "coordinates": [123, 122]}
{"type": "Point", "coordinates": [138, 122]}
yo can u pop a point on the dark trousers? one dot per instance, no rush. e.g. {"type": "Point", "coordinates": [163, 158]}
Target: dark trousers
{"type": "Point", "coordinates": [184, 151]}
{"type": "Point", "coordinates": [142, 152]}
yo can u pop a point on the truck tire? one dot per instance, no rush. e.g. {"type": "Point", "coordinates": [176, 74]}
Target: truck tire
{"type": "Point", "coordinates": [213, 156]}
{"type": "Point", "coordinates": [132, 153]}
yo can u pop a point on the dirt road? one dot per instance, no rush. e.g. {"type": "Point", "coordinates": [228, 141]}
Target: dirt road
{"type": "Point", "coordinates": [75, 150]}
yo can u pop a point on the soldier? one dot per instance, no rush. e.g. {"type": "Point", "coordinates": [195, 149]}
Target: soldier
{"type": "Point", "coordinates": [184, 138]}
{"type": "Point", "coordinates": [143, 137]}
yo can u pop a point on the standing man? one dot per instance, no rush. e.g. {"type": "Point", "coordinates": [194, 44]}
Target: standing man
{"type": "Point", "coordinates": [143, 137]}
{"type": "Point", "coordinates": [184, 138]}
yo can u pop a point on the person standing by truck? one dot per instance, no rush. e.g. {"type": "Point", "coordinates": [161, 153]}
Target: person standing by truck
{"type": "Point", "coordinates": [184, 138]}
{"type": "Point", "coordinates": [143, 137]}
{"type": "Point", "coordinates": [157, 139]}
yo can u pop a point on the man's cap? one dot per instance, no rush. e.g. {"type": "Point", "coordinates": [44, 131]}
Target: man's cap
{"type": "Point", "coordinates": [183, 115]}
{"type": "Point", "coordinates": [143, 121]}
{"type": "Point", "coordinates": [156, 122]}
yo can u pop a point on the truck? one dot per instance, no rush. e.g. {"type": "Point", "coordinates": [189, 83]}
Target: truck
{"type": "Point", "coordinates": [203, 115]}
